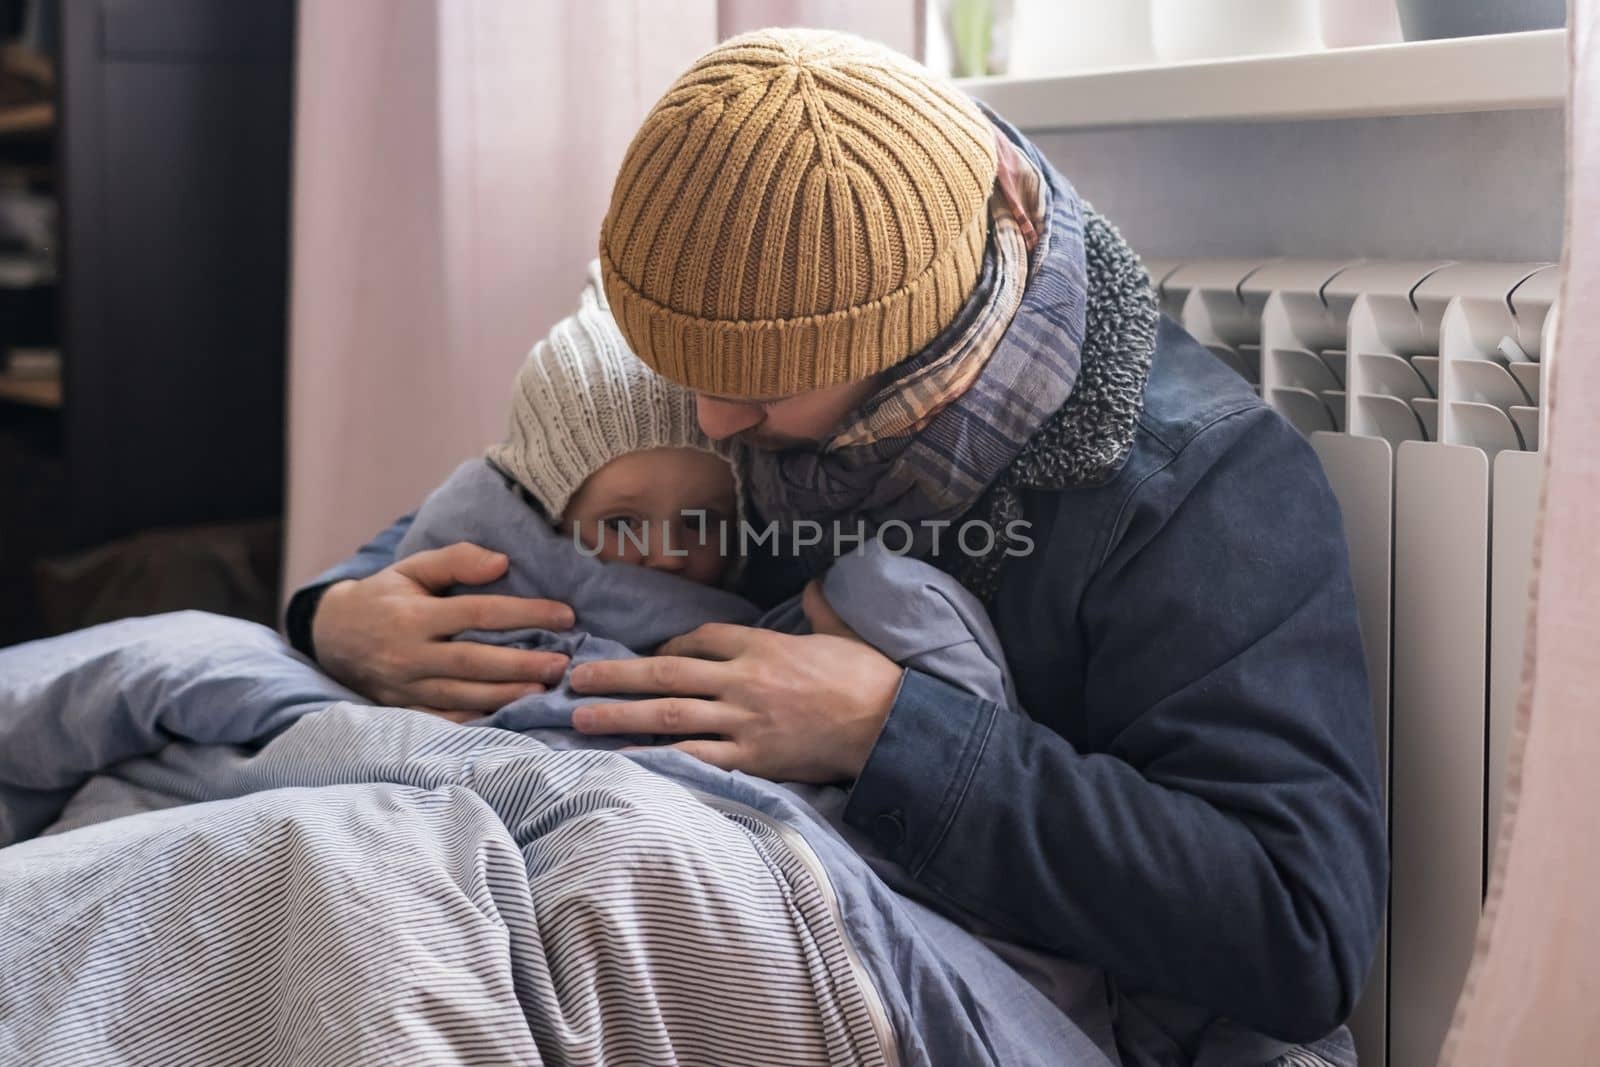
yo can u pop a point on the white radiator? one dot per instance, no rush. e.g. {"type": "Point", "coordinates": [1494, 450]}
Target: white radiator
{"type": "Point", "coordinates": [1421, 387]}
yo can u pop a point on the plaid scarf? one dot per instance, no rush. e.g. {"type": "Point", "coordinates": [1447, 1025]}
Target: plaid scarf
{"type": "Point", "coordinates": [948, 421]}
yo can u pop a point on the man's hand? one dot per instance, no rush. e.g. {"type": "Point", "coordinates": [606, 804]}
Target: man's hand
{"type": "Point", "coordinates": [800, 709]}
{"type": "Point", "coordinates": [388, 636]}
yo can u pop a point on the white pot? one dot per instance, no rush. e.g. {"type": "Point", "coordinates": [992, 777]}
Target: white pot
{"type": "Point", "coordinates": [1056, 36]}
{"type": "Point", "coordinates": [1209, 29]}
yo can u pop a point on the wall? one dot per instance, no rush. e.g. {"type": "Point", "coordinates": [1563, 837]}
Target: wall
{"type": "Point", "coordinates": [1403, 188]}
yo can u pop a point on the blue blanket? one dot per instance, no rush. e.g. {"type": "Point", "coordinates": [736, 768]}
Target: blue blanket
{"type": "Point", "coordinates": [371, 820]}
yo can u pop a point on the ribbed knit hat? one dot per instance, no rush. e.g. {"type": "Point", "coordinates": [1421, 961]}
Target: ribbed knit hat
{"type": "Point", "coordinates": [583, 399]}
{"type": "Point", "coordinates": [801, 209]}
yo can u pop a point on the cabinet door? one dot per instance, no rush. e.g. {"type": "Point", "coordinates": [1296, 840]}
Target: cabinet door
{"type": "Point", "coordinates": [175, 163]}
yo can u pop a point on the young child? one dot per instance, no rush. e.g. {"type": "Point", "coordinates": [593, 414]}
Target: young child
{"type": "Point", "coordinates": [605, 495]}
{"type": "Point", "coordinates": [611, 454]}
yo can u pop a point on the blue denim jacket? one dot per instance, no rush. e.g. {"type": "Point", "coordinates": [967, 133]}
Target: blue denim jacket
{"type": "Point", "coordinates": [1193, 800]}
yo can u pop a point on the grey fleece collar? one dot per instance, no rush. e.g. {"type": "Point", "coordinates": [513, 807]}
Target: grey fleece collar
{"type": "Point", "coordinates": [1089, 437]}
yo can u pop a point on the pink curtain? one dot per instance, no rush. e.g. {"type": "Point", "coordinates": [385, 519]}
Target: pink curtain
{"type": "Point", "coordinates": [453, 159]}
{"type": "Point", "coordinates": [1531, 996]}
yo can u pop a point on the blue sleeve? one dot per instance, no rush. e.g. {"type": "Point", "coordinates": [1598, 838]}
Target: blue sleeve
{"type": "Point", "coordinates": [368, 560]}
{"type": "Point", "coordinates": [1226, 844]}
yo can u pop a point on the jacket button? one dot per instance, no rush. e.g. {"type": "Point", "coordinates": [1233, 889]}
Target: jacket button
{"type": "Point", "coordinates": [889, 828]}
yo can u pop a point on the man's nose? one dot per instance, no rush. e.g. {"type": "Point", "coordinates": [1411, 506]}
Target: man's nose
{"type": "Point", "coordinates": [721, 419]}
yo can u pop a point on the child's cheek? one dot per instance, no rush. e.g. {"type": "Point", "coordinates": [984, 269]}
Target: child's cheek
{"type": "Point", "coordinates": [706, 565]}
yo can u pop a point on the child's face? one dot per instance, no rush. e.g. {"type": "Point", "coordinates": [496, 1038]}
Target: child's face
{"type": "Point", "coordinates": [640, 500]}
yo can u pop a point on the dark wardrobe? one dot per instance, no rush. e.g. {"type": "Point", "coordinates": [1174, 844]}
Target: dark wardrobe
{"type": "Point", "coordinates": [163, 134]}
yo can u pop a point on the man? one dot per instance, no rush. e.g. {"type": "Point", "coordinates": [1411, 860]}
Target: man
{"type": "Point", "coordinates": [920, 328]}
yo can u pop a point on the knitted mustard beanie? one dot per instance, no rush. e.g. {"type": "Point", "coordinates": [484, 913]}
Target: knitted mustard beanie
{"type": "Point", "coordinates": [582, 399]}
{"type": "Point", "coordinates": [801, 209]}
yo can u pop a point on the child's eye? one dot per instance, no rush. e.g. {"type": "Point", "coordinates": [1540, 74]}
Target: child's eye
{"type": "Point", "coordinates": [700, 522]}
{"type": "Point", "coordinates": [618, 523]}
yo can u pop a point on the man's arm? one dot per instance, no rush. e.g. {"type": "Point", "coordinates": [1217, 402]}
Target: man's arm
{"type": "Point", "coordinates": [385, 628]}
{"type": "Point", "coordinates": [369, 559]}
{"type": "Point", "coordinates": [1225, 845]}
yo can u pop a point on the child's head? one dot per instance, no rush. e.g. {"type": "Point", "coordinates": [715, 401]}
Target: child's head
{"type": "Point", "coordinates": [660, 508]}
{"type": "Point", "coordinates": [613, 452]}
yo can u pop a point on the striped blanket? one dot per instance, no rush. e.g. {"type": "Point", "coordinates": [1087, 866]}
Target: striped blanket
{"type": "Point", "coordinates": [332, 883]}
{"type": "Point", "coordinates": [491, 901]}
